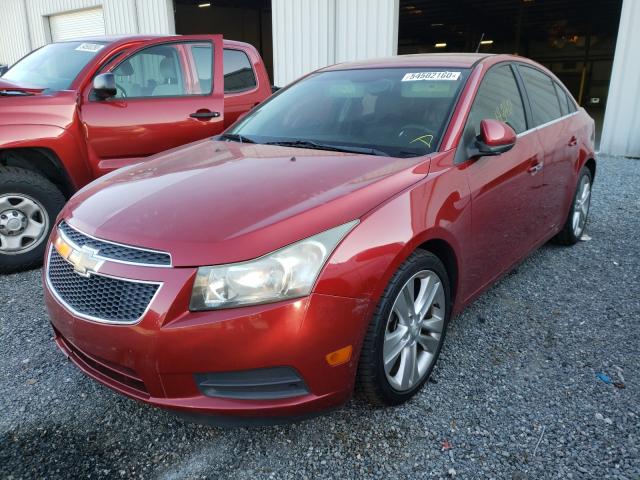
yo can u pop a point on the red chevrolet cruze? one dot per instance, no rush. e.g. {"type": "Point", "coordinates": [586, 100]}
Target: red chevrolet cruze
{"type": "Point", "coordinates": [324, 240]}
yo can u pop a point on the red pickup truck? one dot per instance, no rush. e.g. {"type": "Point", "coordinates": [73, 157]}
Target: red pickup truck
{"type": "Point", "coordinates": [75, 110]}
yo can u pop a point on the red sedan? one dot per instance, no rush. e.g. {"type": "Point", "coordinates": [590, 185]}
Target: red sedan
{"type": "Point", "coordinates": [326, 239]}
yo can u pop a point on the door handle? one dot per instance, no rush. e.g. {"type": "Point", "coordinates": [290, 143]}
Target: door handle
{"type": "Point", "coordinates": [535, 168]}
{"type": "Point", "coordinates": [205, 115]}
{"type": "Point", "coordinates": [573, 141]}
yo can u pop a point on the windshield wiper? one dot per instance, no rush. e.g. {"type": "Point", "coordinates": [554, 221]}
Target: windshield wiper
{"type": "Point", "coordinates": [234, 137]}
{"type": "Point", "coordinates": [326, 146]}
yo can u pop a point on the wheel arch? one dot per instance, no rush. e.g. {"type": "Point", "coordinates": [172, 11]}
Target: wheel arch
{"type": "Point", "coordinates": [43, 161]}
{"type": "Point", "coordinates": [447, 255]}
{"type": "Point", "coordinates": [591, 165]}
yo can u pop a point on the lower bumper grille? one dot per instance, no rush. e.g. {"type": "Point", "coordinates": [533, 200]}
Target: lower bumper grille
{"type": "Point", "coordinates": [120, 376]}
{"type": "Point", "coordinates": [99, 298]}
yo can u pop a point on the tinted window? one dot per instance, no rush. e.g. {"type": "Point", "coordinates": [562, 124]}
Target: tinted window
{"type": "Point", "coordinates": [400, 112]}
{"type": "Point", "coordinates": [53, 66]}
{"type": "Point", "coordinates": [203, 60]}
{"type": "Point", "coordinates": [498, 98]}
{"type": "Point", "coordinates": [542, 95]}
{"type": "Point", "coordinates": [152, 72]}
{"type": "Point", "coordinates": [238, 74]}
{"type": "Point", "coordinates": [562, 98]}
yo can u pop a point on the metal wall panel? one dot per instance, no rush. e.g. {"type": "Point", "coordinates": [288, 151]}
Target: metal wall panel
{"type": "Point", "coordinates": [303, 37]}
{"type": "Point", "coordinates": [621, 129]}
{"type": "Point", "coordinates": [310, 34]}
{"type": "Point", "coordinates": [366, 29]}
{"type": "Point", "coordinates": [24, 24]}
{"type": "Point", "coordinates": [14, 31]}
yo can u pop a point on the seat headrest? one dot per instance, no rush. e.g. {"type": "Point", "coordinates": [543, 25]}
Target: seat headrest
{"type": "Point", "coordinates": [125, 69]}
{"type": "Point", "coordinates": [168, 68]}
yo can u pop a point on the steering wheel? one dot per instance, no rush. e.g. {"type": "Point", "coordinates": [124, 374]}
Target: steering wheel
{"type": "Point", "coordinates": [122, 90]}
{"type": "Point", "coordinates": [416, 134]}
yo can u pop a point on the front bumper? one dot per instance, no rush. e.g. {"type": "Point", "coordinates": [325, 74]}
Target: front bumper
{"type": "Point", "coordinates": [156, 360]}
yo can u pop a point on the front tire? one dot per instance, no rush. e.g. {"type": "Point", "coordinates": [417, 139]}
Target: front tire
{"type": "Point", "coordinates": [407, 331]}
{"type": "Point", "coordinates": [29, 204]}
{"type": "Point", "coordinates": [576, 221]}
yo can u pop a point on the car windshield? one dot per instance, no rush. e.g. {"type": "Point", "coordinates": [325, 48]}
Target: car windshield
{"type": "Point", "coordinates": [54, 66]}
{"type": "Point", "coordinates": [398, 112]}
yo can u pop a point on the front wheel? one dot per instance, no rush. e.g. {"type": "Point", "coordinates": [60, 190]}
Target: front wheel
{"type": "Point", "coordinates": [576, 221]}
{"type": "Point", "coordinates": [29, 204]}
{"type": "Point", "coordinates": [407, 331]}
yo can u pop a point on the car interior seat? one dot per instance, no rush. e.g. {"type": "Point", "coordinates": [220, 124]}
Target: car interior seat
{"type": "Point", "coordinates": [170, 85]}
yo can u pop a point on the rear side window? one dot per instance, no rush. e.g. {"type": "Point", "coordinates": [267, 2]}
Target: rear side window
{"type": "Point", "coordinates": [238, 73]}
{"type": "Point", "coordinates": [542, 95]}
{"type": "Point", "coordinates": [498, 98]}
{"type": "Point", "coordinates": [565, 100]}
{"type": "Point", "coordinates": [562, 98]}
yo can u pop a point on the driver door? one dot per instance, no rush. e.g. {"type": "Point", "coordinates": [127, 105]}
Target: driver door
{"type": "Point", "coordinates": [169, 93]}
{"type": "Point", "coordinates": [504, 189]}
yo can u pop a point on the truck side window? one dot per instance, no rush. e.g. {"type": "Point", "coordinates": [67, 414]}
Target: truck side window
{"type": "Point", "coordinates": [153, 72]}
{"type": "Point", "coordinates": [238, 73]}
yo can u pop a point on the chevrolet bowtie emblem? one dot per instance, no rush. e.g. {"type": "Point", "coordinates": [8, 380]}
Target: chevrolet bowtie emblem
{"type": "Point", "coordinates": [84, 259]}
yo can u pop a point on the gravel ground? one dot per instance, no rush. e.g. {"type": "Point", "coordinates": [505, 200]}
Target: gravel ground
{"type": "Point", "coordinates": [515, 394]}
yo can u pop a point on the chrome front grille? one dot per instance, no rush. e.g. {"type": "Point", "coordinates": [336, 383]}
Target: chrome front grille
{"type": "Point", "coordinates": [98, 297]}
{"type": "Point", "coordinates": [115, 251]}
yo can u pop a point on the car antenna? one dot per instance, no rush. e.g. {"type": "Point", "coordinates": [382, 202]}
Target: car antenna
{"type": "Point", "coordinates": [480, 42]}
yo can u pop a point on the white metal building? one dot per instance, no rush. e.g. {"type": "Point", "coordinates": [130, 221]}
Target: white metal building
{"type": "Point", "coordinates": [298, 36]}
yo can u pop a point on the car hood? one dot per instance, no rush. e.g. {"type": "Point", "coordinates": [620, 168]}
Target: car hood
{"type": "Point", "coordinates": [219, 202]}
{"type": "Point", "coordinates": [36, 108]}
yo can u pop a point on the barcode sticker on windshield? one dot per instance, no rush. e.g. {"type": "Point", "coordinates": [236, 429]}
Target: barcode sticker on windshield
{"type": "Point", "coordinates": [412, 77]}
{"type": "Point", "coordinates": [89, 47]}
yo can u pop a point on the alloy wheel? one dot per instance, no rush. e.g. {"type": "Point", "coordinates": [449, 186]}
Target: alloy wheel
{"type": "Point", "coordinates": [414, 330]}
{"type": "Point", "coordinates": [581, 206]}
{"type": "Point", "coordinates": [23, 223]}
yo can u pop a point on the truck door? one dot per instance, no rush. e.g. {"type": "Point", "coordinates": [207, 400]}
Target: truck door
{"type": "Point", "coordinates": [169, 93]}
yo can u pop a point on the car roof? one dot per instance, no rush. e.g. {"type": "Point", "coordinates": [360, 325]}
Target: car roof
{"type": "Point", "coordinates": [427, 60]}
{"type": "Point", "coordinates": [113, 39]}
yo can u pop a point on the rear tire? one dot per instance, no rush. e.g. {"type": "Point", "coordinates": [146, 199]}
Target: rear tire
{"type": "Point", "coordinates": [29, 204]}
{"type": "Point", "coordinates": [576, 222]}
{"type": "Point", "coordinates": [393, 338]}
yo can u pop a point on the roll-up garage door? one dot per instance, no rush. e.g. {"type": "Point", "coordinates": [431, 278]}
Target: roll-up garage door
{"type": "Point", "coordinates": [82, 23]}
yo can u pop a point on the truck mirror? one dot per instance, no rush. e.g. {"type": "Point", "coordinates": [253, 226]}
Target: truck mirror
{"type": "Point", "coordinates": [104, 86]}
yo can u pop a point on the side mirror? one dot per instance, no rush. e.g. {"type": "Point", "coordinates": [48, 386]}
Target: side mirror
{"type": "Point", "coordinates": [3, 69]}
{"type": "Point", "coordinates": [495, 138]}
{"type": "Point", "coordinates": [104, 86]}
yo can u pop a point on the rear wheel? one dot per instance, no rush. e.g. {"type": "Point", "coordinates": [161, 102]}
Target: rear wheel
{"type": "Point", "coordinates": [29, 204]}
{"type": "Point", "coordinates": [576, 221]}
{"type": "Point", "coordinates": [407, 331]}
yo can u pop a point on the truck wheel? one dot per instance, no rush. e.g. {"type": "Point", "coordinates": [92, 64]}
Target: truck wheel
{"type": "Point", "coordinates": [29, 204]}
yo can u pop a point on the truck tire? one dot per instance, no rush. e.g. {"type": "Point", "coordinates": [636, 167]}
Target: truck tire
{"type": "Point", "coordinates": [29, 204]}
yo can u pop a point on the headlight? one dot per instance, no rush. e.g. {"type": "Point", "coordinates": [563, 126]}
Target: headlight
{"type": "Point", "coordinates": [286, 273]}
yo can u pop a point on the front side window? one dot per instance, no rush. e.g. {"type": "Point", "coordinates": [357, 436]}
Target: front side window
{"type": "Point", "coordinates": [153, 72]}
{"type": "Point", "coordinates": [399, 112]}
{"type": "Point", "coordinates": [54, 66]}
{"type": "Point", "coordinates": [238, 73]}
{"type": "Point", "coordinates": [498, 98]}
{"type": "Point", "coordinates": [202, 54]}
{"type": "Point", "coordinates": [542, 95]}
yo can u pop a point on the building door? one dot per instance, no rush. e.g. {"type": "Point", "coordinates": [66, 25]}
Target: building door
{"type": "Point", "coordinates": [81, 23]}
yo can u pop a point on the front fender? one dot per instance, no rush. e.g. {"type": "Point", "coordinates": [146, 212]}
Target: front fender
{"type": "Point", "coordinates": [436, 208]}
{"type": "Point", "coordinates": [61, 143]}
